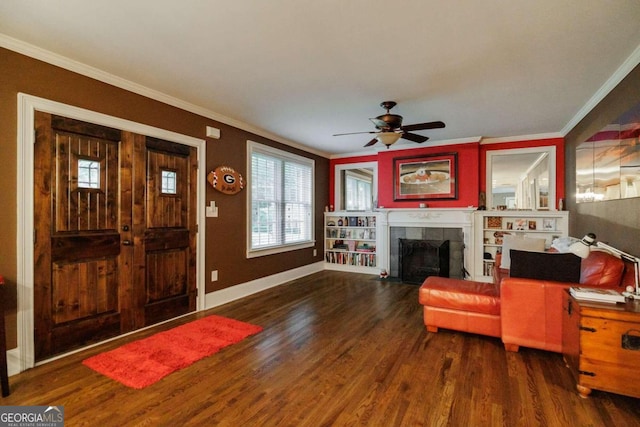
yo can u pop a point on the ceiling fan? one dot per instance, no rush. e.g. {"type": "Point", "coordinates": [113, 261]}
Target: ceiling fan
{"type": "Point", "coordinates": [389, 128]}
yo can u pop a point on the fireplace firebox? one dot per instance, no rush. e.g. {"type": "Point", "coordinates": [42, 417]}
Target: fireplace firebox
{"type": "Point", "coordinates": [420, 259]}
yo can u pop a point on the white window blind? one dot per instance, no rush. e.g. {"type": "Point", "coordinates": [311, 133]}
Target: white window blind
{"type": "Point", "coordinates": [281, 199]}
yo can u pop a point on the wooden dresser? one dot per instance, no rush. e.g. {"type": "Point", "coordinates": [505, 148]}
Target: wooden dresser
{"type": "Point", "coordinates": [601, 345]}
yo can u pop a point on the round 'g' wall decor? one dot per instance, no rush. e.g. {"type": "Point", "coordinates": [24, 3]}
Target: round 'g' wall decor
{"type": "Point", "coordinates": [226, 180]}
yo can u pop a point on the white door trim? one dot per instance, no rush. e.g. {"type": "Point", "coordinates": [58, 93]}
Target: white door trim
{"type": "Point", "coordinates": [23, 357]}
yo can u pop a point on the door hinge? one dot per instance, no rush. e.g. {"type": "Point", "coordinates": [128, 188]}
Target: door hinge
{"type": "Point", "coordinates": [35, 135]}
{"type": "Point", "coordinates": [35, 236]}
{"type": "Point", "coordinates": [584, 328]}
{"type": "Point", "coordinates": [587, 373]}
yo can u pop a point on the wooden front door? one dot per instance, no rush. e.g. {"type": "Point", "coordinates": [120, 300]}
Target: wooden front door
{"type": "Point", "coordinates": [165, 230]}
{"type": "Point", "coordinates": [114, 249]}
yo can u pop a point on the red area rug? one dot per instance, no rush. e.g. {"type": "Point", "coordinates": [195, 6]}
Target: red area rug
{"type": "Point", "coordinates": [141, 363]}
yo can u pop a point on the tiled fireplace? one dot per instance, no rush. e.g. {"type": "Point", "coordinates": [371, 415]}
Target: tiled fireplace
{"type": "Point", "coordinates": [427, 225]}
{"type": "Point", "coordinates": [424, 243]}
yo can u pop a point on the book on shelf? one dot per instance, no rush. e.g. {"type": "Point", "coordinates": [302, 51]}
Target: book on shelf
{"type": "Point", "coordinates": [596, 294]}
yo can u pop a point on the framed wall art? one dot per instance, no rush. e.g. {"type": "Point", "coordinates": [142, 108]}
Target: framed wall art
{"type": "Point", "coordinates": [426, 177]}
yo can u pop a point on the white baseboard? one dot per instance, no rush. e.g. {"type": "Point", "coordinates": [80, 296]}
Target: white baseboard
{"type": "Point", "coordinates": [223, 296]}
{"type": "Point", "coordinates": [212, 299]}
{"type": "Point", "coordinates": [13, 361]}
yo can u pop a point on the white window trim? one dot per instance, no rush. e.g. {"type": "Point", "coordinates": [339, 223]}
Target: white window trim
{"type": "Point", "coordinates": [253, 146]}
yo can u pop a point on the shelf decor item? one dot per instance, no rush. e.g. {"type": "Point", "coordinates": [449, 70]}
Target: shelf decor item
{"type": "Point", "coordinates": [520, 224]}
{"type": "Point", "coordinates": [426, 177]}
{"type": "Point", "coordinates": [494, 222]}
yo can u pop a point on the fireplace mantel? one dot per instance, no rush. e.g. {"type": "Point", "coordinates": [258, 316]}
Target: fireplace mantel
{"type": "Point", "coordinates": [425, 217]}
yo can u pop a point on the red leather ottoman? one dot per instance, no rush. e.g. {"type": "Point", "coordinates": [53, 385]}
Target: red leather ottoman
{"type": "Point", "coordinates": [462, 305]}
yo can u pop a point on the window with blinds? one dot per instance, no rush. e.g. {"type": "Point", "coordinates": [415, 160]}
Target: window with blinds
{"type": "Point", "coordinates": [280, 200]}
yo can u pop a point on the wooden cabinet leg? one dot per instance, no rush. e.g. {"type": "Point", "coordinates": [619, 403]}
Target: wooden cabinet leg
{"type": "Point", "coordinates": [433, 329]}
{"type": "Point", "coordinates": [583, 391]}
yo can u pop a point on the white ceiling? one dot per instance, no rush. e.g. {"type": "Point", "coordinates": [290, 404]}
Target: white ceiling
{"type": "Point", "coordinates": [302, 71]}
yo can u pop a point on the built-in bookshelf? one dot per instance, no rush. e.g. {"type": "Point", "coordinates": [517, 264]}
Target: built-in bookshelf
{"type": "Point", "coordinates": [491, 227]}
{"type": "Point", "coordinates": [351, 241]}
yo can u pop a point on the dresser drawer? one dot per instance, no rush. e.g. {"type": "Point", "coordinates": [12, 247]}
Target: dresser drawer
{"type": "Point", "coordinates": [604, 362]}
{"type": "Point", "coordinates": [595, 348]}
{"type": "Point", "coordinates": [601, 339]}
{"type": "Point", "coordinates": [608, 378]}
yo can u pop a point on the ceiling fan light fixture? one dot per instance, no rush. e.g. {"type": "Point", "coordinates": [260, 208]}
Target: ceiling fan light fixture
{"type": "Point", "coordinates": [388, 138]}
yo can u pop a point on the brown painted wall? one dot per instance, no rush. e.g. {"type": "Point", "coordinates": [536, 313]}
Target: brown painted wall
{"type": "Point", "coordinates": [225, 235]}
{"type": "Point", "coordinates": [614, 221]}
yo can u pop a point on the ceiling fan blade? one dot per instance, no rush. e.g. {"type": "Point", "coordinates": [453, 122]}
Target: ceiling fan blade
{"type": "Point", "coordinates": [423, 126]}
{"type": "Point", "coordinates": [379, 123]}
{"type": "Point", "coordinates": [370, 143]}
{"type": "Point", "coordinates": [414, 137]}
{"type": "Point", "coordinates": [352, 133]}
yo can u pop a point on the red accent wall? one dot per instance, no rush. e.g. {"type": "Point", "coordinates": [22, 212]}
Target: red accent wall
{"type": "Point", "coordinates": [468, 174]}
{"type": "Point", "coordinates": [472, 159]}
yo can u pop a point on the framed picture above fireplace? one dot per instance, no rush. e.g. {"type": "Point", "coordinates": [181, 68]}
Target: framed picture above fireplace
{"type": "Point", "coordinates": [426, 177]}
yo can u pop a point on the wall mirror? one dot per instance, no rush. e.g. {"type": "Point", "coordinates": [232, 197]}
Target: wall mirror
{"type": "Point", "coordinates": [522, 178]}
{"type": "Point", "coordinates": [608, 163]}
{"type": "Point", "coordinates": [356, 186]}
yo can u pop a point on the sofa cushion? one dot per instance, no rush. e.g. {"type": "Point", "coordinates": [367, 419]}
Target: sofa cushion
{"type": "Point", "coordinates": [464, 295]}
{"type": "Point", "coordinates": [601, 269]}
{"type": "Point", "coordinates": [545, 266]}
{"type": "Point", "coordinates": [520, 243]}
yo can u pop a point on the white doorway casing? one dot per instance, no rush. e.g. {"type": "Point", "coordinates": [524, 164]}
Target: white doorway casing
{"type": "Point", "coordinates": [22, 357]}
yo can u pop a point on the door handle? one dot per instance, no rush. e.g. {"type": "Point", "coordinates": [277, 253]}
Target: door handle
{"type": "Point", "coordinates": [125, 228]}
{"type": "Point", "coordinates": [127, 242]}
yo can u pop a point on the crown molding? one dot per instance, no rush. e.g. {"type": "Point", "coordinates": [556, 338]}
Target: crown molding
{"type": "Point", "coordinates": [629, 64]}
{"type": "Point", "coordinates": [52, 58]}
{"type": "Point", "coordinates": [532, 137]}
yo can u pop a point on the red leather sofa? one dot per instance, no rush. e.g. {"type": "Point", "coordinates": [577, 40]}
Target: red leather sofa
{"type": "Point", "coordinates": [531, 314]}
{"type": "Point", "coordinates": [462, 305]}
{"type": "Point", "coordinates": [523, 312]}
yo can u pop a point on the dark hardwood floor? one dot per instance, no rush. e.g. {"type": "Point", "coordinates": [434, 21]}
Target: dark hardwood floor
{"type": "Point", "coordinates": [337, 349]}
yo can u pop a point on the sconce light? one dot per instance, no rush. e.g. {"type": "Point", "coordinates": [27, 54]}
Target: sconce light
{"type": "Point", "coordinates": [388, 138]}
